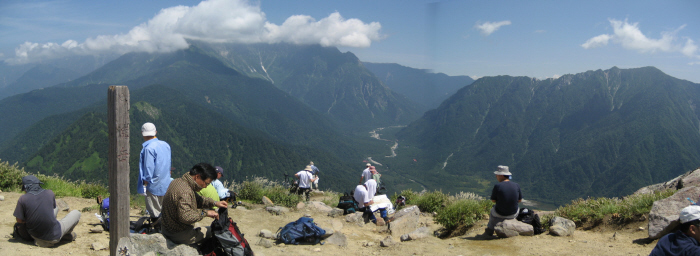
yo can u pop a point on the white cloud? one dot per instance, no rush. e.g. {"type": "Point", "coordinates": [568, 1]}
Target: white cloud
{"type": "Point", "coordinates": [629, 36]}
{"type": "Point", "coordinates": [487, 28]}
{"type": "Point", "coordinates": [233, 21]}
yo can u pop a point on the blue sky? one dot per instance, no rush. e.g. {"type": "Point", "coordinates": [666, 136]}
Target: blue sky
{"type": "Point", "coordinates": [476, 38]}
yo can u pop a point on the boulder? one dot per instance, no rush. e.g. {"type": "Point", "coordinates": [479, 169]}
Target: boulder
{"type": "Point", "coordinates": [338, 239]}
{"type": "Point", "coordinates": [320, 207]}
{"type": "Point", "coordinates": [335, 212]}
{"type": "Point", "coordinates": [354, 217]}
{"type": "Point", "coordinates": [267, 202]}
{"type": "Point", "coordinates": [691, 179]}
{"type": "Point", "coordinates": [2, 198]}
{"type": "Point", "coordinates": [98, 246]}
{"type": "Point", "coordinates": [265, 243]}
{"type": "Point", "coordinates": [301, 205]}
{"type": "Point", "coordinates": [62, 205]}
{"type": "Point", "coordinates": [387, 242]}
{"type": "Point", "coordinates": [155, 244]}
{"type": "Point", "coordinates": [561, 227]}
{"type": "Point", "coordinates": [419, 233]}
{"type": "Point", "coordinates": [405, 221]}
{"type": "Point", "coordinates": [663, 217]}
{"type": "Point", "coordinates": [329, 233]}
{"type": "Point", "coordinates": [266, 234]}
{"type": "Point", "coordinates": [277, 210]}
{"type": "Point", "coordinates": [513, 227]}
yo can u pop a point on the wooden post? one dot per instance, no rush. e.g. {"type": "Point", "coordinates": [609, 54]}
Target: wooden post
{"type": "Point", "coordinates": [118, 123]}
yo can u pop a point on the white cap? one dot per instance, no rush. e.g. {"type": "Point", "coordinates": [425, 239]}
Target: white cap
{"type": "Point", "coordinates": [690, 213]}
{"type": "Point", "coordinates": [368, 164]}
{"type": "Point", "coordinates": [148, 129]}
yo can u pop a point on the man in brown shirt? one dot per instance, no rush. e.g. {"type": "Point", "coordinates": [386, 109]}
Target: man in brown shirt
{"type": "Point", "coordinates": [182, 206]}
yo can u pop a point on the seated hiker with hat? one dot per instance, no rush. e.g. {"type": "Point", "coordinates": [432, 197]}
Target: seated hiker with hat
{"type": "Point", "coordinates": [685, 241]}
{"type": "Point", "coordinates": [182, 206]}
{"type": "Point", "coordinates": [36, 216]}
{"type": "Point", "coordinates": [506, 194]}
{"type": "Point", "coordinates": [224, 193]}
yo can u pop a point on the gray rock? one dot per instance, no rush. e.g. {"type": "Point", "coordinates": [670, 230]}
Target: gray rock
{"type": "Point", "coordinates": [267, 202]}
{"type": "Point", "coordinates": [405, 221]}
{"type": "Point", "coordinates": [277, 210]}
{"type": "Point", "coordinates": [267, 234]}
{"type": "Point", "coordinates": [140, 244]}
{"type": "Point", "coordinates": [265, 243]}
{"type": "Point", "coordinates": [387, 242]}
{"type": "Point", "coordinates": [511, 228]}
{"type": "Point", "coordinates": [320, 207]}
{"type": "Point", "coordinates": [338, 239]}
{"type": "Point", "coordinates": [663, 217]}
{"type": "Point", "coordinates": [300, 205]}
{"type": "Point", "coordinates": [419, 233]}
{"type": "Point", "coordinates": [62, 205]}
{"type": "Point", "coordinates": [98, 246]}
{"type": "Point", "coordinates": [2, 198]}
{"type": "Point", "coordinates": [691, 179]}
{"type": "Point", "coordinates": [335, 212]}
{"type": "Point", "coordinates": [329, 232]}
{"type": "Point", "coordinates": [561, 227]}
{"type": "Point", "coordinates": [380, 222]}
{"type": "Point", "coordinates": [354, 217]}
{"type": "Point", "coordinates": [404, 238]}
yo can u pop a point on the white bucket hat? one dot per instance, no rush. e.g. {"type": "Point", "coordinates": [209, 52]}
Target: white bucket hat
{"type": "Point", "coordinates": [502, 170]}
{"type": "Point", "coordinates": [148, 129]}
{"type": "Point", "coordinates": [690, 213]}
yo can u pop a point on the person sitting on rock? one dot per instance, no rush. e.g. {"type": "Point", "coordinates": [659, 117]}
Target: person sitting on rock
{"type": "Point", "coordinates": [182, 206]}
{"type": "Point", "coordinates": [506, 194]}
{"type": "Point", "coordinates": [223, 192]}
{"type": "Point", "coordinates": [363, 195]}
{"type": "Point", "coordinates": [36, 216]}
{"type": "Point", "coordinates": [685, 241]}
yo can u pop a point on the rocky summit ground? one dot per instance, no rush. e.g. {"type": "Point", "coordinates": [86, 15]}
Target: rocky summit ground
{"type": "Point", "coordinates": [363, 240]}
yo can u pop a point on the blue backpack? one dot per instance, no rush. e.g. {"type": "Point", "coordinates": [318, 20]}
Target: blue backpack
{"type": "Point", "coordinates": [104, 212]}
{"type": "Point", "coordinates": [302, 230]}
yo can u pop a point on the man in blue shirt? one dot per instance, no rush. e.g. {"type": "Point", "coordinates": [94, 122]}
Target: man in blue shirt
{"type": "Point", "coordinates": [223, 192]}
{"type": "Point", "coordinates": [154, 169]}
{"type": "Point", "coordinates": [315, 175]}
{"type": "Point", "coordinates": [685, 240]}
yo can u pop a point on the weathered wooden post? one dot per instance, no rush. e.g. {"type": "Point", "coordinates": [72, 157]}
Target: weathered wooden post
{"type": "Point", "coordinates": [118, 122]}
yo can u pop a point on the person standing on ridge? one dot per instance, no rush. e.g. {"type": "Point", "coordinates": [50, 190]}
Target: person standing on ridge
{"type": "Point", "coordinates": [506, 194]}
{"type": "Point", "coordinates": [305, 179]}
{"type": "Point", "coordinates": [366, 174]}
{"type": "Point", "coordinates": [315, 174]}
{"type": "Point", "coordinates": [154, 169]}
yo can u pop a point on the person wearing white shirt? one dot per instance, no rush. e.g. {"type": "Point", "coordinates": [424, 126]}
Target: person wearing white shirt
{"type": "Point", "coordinates": [223, 192]}
{"type": "Point", "coordinates": [366, 174]}
{"type": "Point", "coordinates": [305, 179]}
{"type": "Point", "coordinates": [363, 195]}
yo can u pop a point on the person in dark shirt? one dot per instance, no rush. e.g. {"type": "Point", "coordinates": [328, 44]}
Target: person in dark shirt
{"type": "Point", "coordinates": [36, 215]}
{"type": "Point", "coordinates": [684, 241]}
{"type": "Point", "coordinates": [506, 194]}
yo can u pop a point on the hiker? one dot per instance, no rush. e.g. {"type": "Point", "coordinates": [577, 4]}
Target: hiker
{"type": "Point", "coordinates": [305, 179]}
{"type": "Point", "coordinates": [182, 206]}
{"type": "Point", "coordinates": [375, 175]}
{"type": "Point", "coordinates": [223, 192]}
{"type": "Point", "coordinates": [210, 192]}
{"type": "Point", "coordinates": [685, 241]}
{"type": "Point", "coordinates": [366, 174]}
{"type": "Point", "coordinates": [315, 174]}
{"type": "Point", "coordinates": [506, 194]}
{"type": "Point", "coordinates": [363, 195]}
{"type": "Point", "coordinates": [154, 169]}
{"type": "Point", "coordinates": [36, 216]}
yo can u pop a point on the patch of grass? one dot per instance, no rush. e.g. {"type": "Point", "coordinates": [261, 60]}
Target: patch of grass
{"type": "Point", "coordinates": [593, 210]}
{"type": "Point", "coordinates": [11, 180]}
{"type": "Point", "coordinates": [331, 198]}
{"type": "Point", "coordinates": [462, 213]}
{"type": "Point", "coordinates": [253, 190]}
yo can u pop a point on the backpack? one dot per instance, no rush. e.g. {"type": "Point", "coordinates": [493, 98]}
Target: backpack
{"type": "Point", "coordinates": [104, 212]}
{"type": "Point", "coordinates": [302, 230]}
{"type": "Point", "coordinates": [227, 239]}
{"type": "Point", "coordinates": [530, 217]}
{"type": "Point", "coordinates": [347, 203]}
{"type": "Point", "coordinates": [145, 225]}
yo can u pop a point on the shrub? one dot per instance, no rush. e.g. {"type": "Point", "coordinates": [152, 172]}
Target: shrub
{"type": "Point", "coordinates": [331, 198]}
{"type": "Point", "coordinates": [462, 213]}
{"type": "Point", "coordinates": [253, 190]}
{"type": "Point", "coordinates": [430, 201]}
{"type": "Point", "coordinates": [624, 210]}
{"type": "Point", "coordinates": [11, 177]}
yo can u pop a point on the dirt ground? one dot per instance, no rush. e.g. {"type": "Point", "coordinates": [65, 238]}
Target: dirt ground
{"type": "Point", "coordinates": [599, 241]}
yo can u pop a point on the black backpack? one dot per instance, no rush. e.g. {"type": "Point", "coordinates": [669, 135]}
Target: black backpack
{"type": "Point", "coordinates": [530, 217]}
{"type": "Point", "coordinates": [347, 203]}
{"type": "Point", "coordinates": [227, 239]}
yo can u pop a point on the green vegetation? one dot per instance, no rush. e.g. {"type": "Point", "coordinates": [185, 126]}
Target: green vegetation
{"type": "Point", "coordinates": [593, 210]}
{"type": "Point", "coordinates": [453, 211]}
{"type": "Point", "coordinates": [12, 181]}
{"type": "Point", "coordinates": [253, 190]}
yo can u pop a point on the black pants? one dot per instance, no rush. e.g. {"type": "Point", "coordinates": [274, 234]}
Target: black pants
{"type": "Point", "coordinates": [304, 191]}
